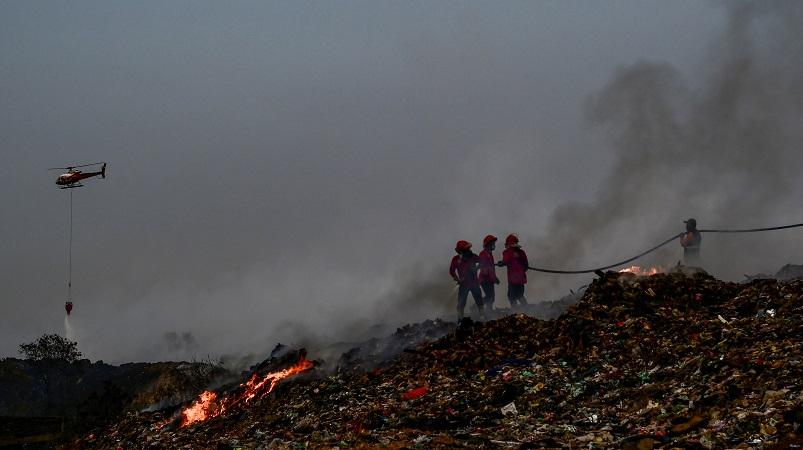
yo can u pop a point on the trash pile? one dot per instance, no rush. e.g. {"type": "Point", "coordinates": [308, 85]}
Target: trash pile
{"type": "Point", "coordinates": [377, 352]}
{"type": "Point", "coordinates": [787, 272]}
{"type": "Point", "coordinates": [665, 361]}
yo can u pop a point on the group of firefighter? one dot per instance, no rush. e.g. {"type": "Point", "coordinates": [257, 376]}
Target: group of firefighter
{"type": "Point", "coordinates": [476, 274]}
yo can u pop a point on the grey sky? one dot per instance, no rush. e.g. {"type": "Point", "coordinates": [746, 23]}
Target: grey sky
{"type": "Point", "coordinates": [298, 161]}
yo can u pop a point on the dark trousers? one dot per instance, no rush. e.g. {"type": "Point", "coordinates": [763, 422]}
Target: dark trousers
{"type": "Point", "coordinates": [462, 296]}
{"type": "Point", "coordinates": [691, 256]}
{"type": "Point", "coordinates": [488, 290]}
{"type": "Point", "coordinates": [515, 294]}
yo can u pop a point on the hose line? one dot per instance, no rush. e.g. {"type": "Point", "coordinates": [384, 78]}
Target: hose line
{"type": "Point", "coordinates": [646, 252]}
{"type": "Point", "coordinates": [609, 266]}
{"type": "Point", "coordinates": [753, 230]}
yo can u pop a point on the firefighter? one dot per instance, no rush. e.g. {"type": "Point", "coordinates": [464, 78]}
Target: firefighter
{"type": "Point", "coordinates": [487, 277]}
{"type": "Point", "coordinates": [464, 272]}
{"type": "Point", "coordinates": [690, 241]}
{"type": "Point", "coordinates": [516, 262]}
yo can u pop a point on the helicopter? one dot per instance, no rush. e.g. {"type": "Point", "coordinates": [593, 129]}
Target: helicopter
{"type": "Point", "coordinates": [72, 178]}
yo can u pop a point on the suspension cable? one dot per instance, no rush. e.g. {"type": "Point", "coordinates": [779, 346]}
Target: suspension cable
{"type": "Point", "coordinates": [69, 257]}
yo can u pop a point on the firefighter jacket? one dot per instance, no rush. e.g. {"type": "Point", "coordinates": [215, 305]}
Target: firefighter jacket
{"type": "Point", "coordinates": [464, 269]}
{"type": "Point", "coordinates": [516, 261]}
{"type": "Point", "coordinates": [487, 268]}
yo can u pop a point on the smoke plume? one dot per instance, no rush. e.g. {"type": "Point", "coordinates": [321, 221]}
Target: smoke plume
{"type": "Point", "coordinates": [724, 150]}
{"type": "Point", "coordinates": [299, 172]}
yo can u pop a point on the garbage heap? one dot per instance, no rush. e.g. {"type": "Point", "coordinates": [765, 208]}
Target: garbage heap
{"type": "Point", "coordinates": [666, 361]}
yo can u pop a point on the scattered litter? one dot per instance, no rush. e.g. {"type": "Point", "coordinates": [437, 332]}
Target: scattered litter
{"type": "Point", "coordinates": [415, 393]}
{"type": "Point", "coordinates": [510, 410]}
{"type": "Point", "coordinates": [619, 369]}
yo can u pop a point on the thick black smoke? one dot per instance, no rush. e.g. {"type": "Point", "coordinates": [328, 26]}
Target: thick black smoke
{"type": "Point", "coordinates": [722, 146]}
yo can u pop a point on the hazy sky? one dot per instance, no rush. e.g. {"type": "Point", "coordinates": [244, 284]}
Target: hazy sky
{"type": "Point", "coordinates": [309, 163]}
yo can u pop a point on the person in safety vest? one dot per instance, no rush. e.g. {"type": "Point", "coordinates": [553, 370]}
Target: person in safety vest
{"type": "Point", "coordinates": [516, 262]}
{"type": "Point", "coordinates": [690, 241]}
{"type": "Point", "coordinates": [464, 271]}
{"type": "Point", "coordinates": [487, 276]}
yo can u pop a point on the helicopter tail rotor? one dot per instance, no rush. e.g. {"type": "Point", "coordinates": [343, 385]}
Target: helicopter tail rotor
{"type": "Point", "coordinates": [103, 171]}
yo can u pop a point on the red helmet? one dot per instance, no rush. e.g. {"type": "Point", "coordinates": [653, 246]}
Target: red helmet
{"type": "Point", "coordinates": [488, 239]}
{"type": "Point", "coordinates": [462, 246]}
{"type": "Point", "coordinates": [511, 239]}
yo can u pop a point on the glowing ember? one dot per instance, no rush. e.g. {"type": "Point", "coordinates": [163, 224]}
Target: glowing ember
{"type": "Point", "coordinates": [642, 272]}
{"type": "Point", "coordinates": [208, 405]}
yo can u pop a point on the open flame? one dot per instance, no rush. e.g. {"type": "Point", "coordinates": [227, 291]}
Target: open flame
{"type": "Point", "coordinates": [202, 409]}
{"type": "Point", "coordinates": [208, 405]}
{"type": "Point", "coordinates": [642, 271]}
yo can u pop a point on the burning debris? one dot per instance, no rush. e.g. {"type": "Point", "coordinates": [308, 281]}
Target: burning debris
{"type": "Point", "coordinates": [202, 409]}
{"type": "Point", "coordinates": [209, 405]}
{"type": "Point", "coordinates": [643, 272]}
{"type": "Point", "coordinates": [50, 399]}
{"type": "Point", "coordinates": [660, 361]}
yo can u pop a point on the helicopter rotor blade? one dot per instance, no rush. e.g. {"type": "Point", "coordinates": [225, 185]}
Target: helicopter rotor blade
{"type": "Point", "coordinates": [80, 165]}
{"type": "Point", "coordinates": [91, 164]}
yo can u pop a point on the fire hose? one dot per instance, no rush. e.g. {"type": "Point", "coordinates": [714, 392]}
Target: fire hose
{"type": "Point", "coordinates": [652, 249]}
{"type": "Point", "coordinates": [753, 230]}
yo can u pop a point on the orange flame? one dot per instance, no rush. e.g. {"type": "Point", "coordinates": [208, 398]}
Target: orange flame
{"type": "Point", "coordinates": [208, 405]}
{"type": "Point", "coordinates": [202, 409]}
{"type": "Point", "coordinates": [255, 387]}
{"type": "Point", "coordinates": [642, 272]}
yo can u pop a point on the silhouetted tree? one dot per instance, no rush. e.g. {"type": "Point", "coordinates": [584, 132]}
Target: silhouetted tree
{"type": "Point", "coordinates": [51, 346]}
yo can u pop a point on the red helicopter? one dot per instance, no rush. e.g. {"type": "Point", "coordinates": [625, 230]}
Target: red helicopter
{"type": "Point", "coordinates": [72, 179]}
